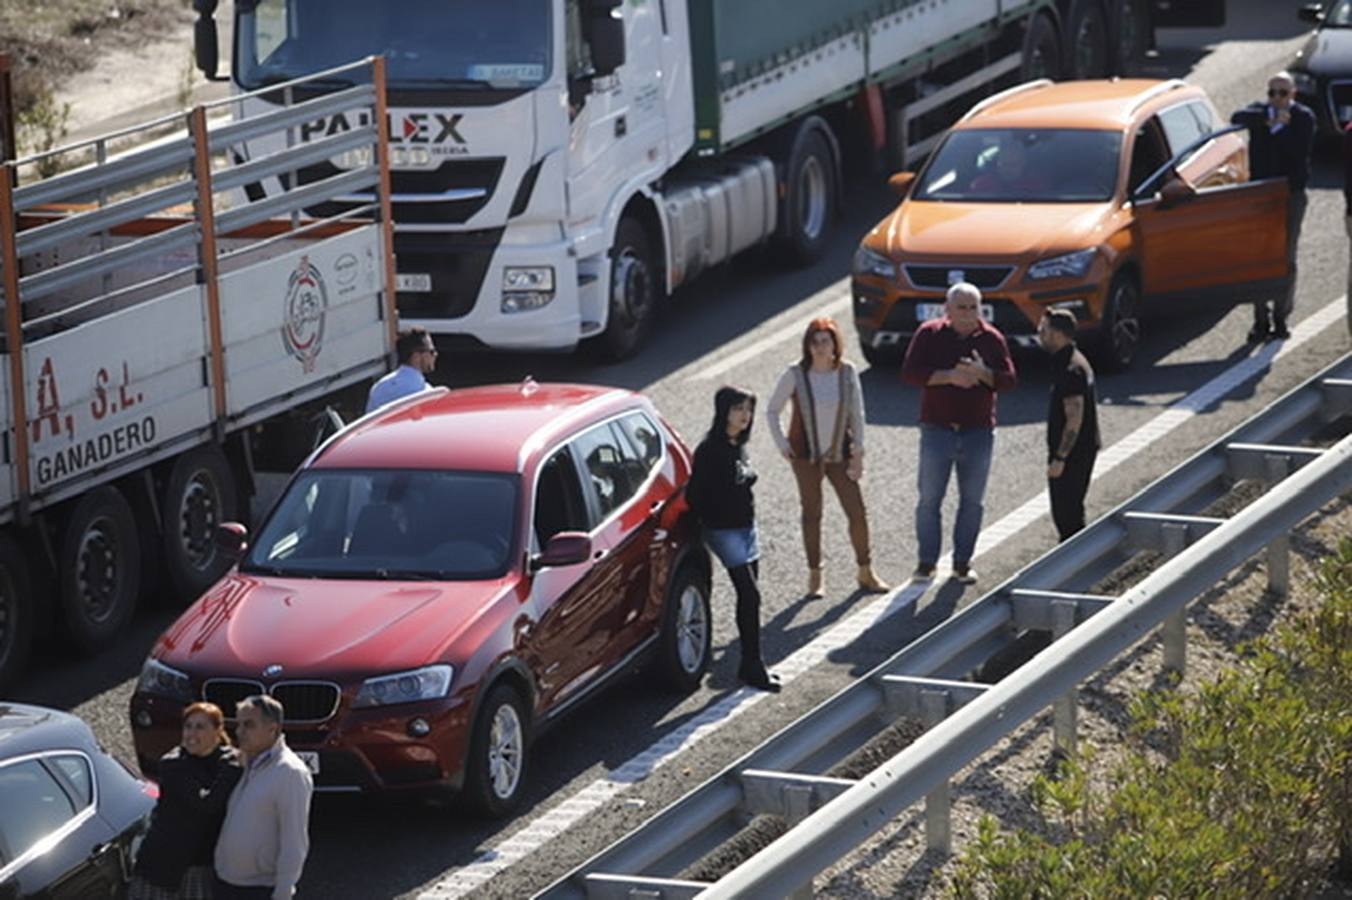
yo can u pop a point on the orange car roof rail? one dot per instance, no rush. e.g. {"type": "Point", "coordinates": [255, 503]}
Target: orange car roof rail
{"type": "Point", "coordinates": [1165, 87]}
{"type": "Point", "coordinates": [1036, 84]}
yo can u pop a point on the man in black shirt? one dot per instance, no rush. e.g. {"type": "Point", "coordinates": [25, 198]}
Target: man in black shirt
{"type": "Point", "coordinates": [1072, 422]}
{"type": "Point", "coordinates": [1281, 136]}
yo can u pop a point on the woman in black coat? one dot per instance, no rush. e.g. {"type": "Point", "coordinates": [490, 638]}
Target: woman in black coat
{"type": "Point", "coordinates": [196, 779]}
{"type": "Point", "coordinates": [719, 494]}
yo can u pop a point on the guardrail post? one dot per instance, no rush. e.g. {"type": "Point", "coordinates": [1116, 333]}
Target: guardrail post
{"type": "Point", "coordinates": [1175, 629]}
{"type": "Point", "coordinates": [1064, 708]}
{"type": "Point", "coordinates": [797, 807]}
{"type": "Point", "coordinates": [938, 834]}
{"type": "Point", "coordinates": [1276, 467]}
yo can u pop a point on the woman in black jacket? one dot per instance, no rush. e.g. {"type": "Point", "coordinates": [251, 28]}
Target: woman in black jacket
{"type": "Point", "coordinates": [719, 494]}
{"type": "Point", "coordinates": [196, 779]}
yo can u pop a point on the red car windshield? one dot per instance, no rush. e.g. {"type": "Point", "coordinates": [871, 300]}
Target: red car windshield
{"type": "Point", "coordinates": [389, 524]}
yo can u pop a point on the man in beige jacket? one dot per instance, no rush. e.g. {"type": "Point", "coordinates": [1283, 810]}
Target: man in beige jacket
{"type": "Point", "coordinates": [263, 843]}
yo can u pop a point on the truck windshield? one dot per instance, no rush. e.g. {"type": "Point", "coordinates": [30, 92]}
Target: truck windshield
{"type": "Point", "coordinates": [397, 524]}
{"type": "Point", "coordinates": [1023, 165]}
{"type": "Point", "coordinates": [428, 43]}
{"type": "Point", "coordinates": [1340, 16]}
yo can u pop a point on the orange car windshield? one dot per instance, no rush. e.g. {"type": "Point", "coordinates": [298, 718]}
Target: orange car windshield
{"type": "Point", "coordinates": [1023, 165]}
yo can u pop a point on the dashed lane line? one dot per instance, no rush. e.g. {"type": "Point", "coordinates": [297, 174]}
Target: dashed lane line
{"type": "Point", "coordinates": [566, 814]}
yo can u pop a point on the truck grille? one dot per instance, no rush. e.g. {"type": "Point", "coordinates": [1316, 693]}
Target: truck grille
{"type": "Point", "coordinates": [302, 701]}
{"type": "Point", "coordinates": [458, 263]}
{"type": "Point", "coordinates": [458, 174]}
{"type": "Point", "coordinates": [938, 277]}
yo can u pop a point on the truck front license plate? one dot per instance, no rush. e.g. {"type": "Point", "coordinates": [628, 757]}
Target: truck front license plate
{"type": "Point", "coordinates": [415, 282]}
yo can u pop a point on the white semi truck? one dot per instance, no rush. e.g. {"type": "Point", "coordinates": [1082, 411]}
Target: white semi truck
{"type": "Point", "coordinates": [158, 336]}
{"type": "Point", "coordinates": [562, 166]}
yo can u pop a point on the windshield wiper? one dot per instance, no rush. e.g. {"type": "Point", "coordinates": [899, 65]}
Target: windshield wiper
{"type": "Point", "coordinates": [475, 83]}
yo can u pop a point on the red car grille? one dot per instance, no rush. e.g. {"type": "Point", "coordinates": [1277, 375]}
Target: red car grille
{"type": "Point", "coordinates": [302, 701]}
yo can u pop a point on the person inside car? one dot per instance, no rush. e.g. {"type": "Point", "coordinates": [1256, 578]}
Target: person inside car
{"type": "Point", "coordinates": [1010, 176]}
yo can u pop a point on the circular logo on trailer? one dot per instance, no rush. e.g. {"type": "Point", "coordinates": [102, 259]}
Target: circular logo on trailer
{"type": "Point", "coordinates": [306, 302]}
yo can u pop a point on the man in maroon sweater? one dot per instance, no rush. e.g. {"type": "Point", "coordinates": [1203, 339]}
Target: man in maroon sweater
{"type": "Point", "coordinates": [959, 362]}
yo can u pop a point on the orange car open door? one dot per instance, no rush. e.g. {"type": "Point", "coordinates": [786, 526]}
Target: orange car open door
{"type": "Point", "coordinates": [1222, 243]}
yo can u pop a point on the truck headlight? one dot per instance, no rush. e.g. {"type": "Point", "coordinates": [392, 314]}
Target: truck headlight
{"type": "Point", "coordinates": [427, 683]}
{"type": "Point", "coordinates": [528, 278]}
{"type": "Point", "coordinates": [157, 678]}
{"type": "Point", "coordinates": [873, 263]}
{"type": "Point", "coordinates": [1069, 265]}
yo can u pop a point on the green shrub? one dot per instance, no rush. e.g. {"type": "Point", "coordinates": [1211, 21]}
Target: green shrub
{"type": "Point", "coordinates": [1244, 790]}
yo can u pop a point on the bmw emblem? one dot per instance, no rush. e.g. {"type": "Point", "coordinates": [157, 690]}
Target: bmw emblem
{"type": "Point", "coordinates": [272, 671]}
{"type": "Point", "coordinates": [955, 276]}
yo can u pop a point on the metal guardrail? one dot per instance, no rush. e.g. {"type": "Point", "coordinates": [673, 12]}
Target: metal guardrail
{"type": "Point", "coordinates": [832, 816]}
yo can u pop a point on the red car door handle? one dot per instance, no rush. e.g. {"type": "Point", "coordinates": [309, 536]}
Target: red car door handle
{"type": "Point", "coordinates": [599, 554]}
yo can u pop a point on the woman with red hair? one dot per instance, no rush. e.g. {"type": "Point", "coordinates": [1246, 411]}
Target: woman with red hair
{"type": "Point", "coordinates": [825, 441]}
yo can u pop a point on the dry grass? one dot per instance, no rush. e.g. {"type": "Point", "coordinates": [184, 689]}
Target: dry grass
{"type": "Point", "coordinates": [48, 40]}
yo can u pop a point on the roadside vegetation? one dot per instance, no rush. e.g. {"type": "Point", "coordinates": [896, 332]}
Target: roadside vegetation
{"type": "Point", "coordinates": [1243, 789]}
{"type": "Point", "coordinates": [50, 40]}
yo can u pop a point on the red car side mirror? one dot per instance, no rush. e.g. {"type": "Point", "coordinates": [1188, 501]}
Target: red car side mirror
{"type": "Point", "coordinates": [232, 539]}
{"type": "Point", "coordinates": [564, 549]}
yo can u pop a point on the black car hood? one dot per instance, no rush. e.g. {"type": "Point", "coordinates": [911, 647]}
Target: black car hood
{"type": "Point", "coordinates": [1327, 52]}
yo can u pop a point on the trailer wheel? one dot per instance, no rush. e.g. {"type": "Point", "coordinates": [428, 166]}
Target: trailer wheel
{"type": "Point", "coordinates": [1088, 41]}
{"type": "Point", "coordinates": [16, 611]}
{"type": "Point", "coordinates": [1041, 49]}
{"type": "Point", "coordinates": [99, 568]}
{"type": "Point", "coordinates": [1133, 33]}
{"type": "Point", "coordinates": [809, 196]}
{"type": "Point", "coordinates": [633, 293]}
{"type": "Point", "coordinates": [198, 495]}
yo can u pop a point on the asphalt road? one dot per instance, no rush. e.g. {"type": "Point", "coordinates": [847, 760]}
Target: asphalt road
{"type": "Point", "coordinates": [742, 325]}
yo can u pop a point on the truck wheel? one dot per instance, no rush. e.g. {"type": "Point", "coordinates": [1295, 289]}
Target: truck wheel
{"type": "Point", "coordinates": [1088, 41]}
{"type": "Point", "coordinates": [1132, 36]}
{"type": "Point", "coordinates": [495, 772]}
{"type": "Point", "coordinates": [199, 495]}
{"type": "Point", "coordinates": [686, 641]}
{"type": "Point", "coordinates": [809, 196]}
{"type": "Point", "coordinates": [16, 612]}
{"type": "Point", "coordinates": [633, 293]}
{"type": "Point", "coordinates": [1041, 49]}
{"type": "Point", "coordinates": [99, 568]}
{"type": "Point", "coordinates": [1120, 333]}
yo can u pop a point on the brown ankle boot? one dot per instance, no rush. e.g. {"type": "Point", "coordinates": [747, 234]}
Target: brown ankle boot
{"type": "Point", "coordinates": [814, 582]}
{"type": "Point", "coordinates": [869, 580]}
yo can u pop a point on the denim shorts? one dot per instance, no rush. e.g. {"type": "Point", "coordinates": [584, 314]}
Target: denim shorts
{"type": "Point", "coordinates": [733, 546]}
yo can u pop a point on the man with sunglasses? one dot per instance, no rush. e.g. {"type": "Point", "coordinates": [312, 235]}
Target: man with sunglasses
{"type": "Point", "coordinates": [1281, 136]}
{"type": "Point", "coordinates": [417, 359]}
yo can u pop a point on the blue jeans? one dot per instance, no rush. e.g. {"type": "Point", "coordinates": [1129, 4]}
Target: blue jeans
{"type": "Point", "coordinates": [941, 450]}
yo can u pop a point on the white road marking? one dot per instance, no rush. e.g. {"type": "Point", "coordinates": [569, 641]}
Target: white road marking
{"type": "Point", "coordinates": [829, 301]}
{"type": "Point", "coordinates": [568, 813]}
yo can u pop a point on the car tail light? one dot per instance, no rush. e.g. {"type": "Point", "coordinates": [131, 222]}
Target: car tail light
{"type": "Point", "coordinates": [150, 789]}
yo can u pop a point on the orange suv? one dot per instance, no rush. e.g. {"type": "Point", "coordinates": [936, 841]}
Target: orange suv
{"type": "Point", "coordinates": [1108, 198]}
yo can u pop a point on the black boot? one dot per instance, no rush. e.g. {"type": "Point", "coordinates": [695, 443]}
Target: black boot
{"type": "Point", "coordinates": [1261, 329]}
{"type": "Point", "coordinates": [752, 669]}
{"type": "Point", "coordinates": [1279, 330]}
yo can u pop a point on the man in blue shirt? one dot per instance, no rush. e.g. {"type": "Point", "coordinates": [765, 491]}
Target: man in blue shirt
{"type": "Point", "coordinates": [417, 357]}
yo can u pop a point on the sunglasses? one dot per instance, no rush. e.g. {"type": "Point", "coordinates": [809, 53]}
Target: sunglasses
{"type": "Point", "coordinates": [1278, 92]}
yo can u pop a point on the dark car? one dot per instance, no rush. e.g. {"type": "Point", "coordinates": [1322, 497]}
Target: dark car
{"type": "Point", "coordinates": [1323, 67]}
{"type": "Point", "coordinates": [442, 581]}
{"type": "Point", "coordinates": [69, 813]}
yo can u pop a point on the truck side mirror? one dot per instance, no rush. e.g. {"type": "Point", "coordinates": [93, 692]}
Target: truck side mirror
{"type": "Point", "coordinates": [205, 45]}
{"type": "Point", "coordinates": [605, 35]}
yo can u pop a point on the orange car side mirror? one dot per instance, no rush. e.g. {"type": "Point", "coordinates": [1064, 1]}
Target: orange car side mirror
{"type": "Point", "coordinates": [1175, 191]}
{"type": "Point", "coordinates": [900, 183]}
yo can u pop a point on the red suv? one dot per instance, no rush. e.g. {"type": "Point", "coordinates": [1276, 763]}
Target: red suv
{"type": "Point", "coordinates": [443, 580]}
